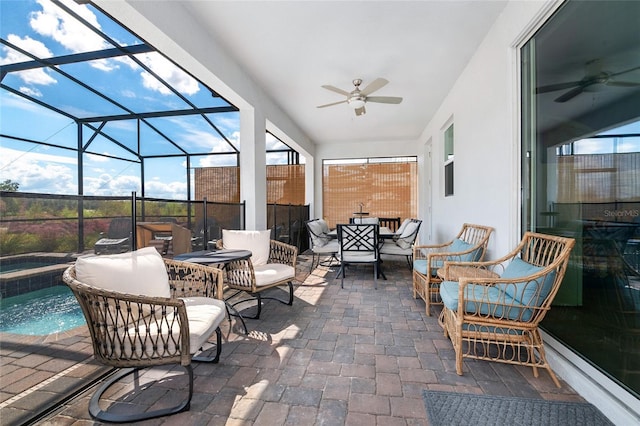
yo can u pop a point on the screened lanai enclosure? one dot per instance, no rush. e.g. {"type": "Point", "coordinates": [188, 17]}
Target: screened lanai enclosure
{"type": "Point", "coordinates": [92, 116]}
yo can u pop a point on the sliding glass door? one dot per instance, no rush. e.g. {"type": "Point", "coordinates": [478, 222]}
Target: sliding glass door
{"type": "Point", "coordinates": [581, 174]}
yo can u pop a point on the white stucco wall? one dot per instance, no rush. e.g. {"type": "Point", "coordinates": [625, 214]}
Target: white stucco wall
{"type": "Point", "coordinates": [483, 107]}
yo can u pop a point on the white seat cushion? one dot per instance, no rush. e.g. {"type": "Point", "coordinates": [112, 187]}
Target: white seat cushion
{"type": "Point", "coordinates": [258, 242]}
{"type": "Point", "coordinates": [140, 272]}
{"type": "Point", "coordinates": [273, 272]}
{"type": "Point", "coordinates": [205, 315]}
{"type": "Point", "coordinates": [331, 247]}
{"type": "Point", "coordinates": [358, 257]}
{"type": "Point", "coordinates": [390, 247]}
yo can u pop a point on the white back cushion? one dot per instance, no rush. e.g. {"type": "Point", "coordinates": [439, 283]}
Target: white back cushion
{"type": "Point", "coordinates": [404, 225]}
{"type": "Point", "coordinates": [324, 226]}
{"type": "Point", "coordinates": [259, 242]}
{"type": "Point", "coordinates": [140, 272]}
{"type": "Point", "coordinates": [367, 220]}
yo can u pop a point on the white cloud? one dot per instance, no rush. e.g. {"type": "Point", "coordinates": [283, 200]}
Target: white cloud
{"type": "Point", "coordinates": [169, 72]}
{"type": "Point", "coordinates": [10, 156]}
{"type": "Point", "coordinates": [217, 161]}
{"type": "Point", "coordinates": [105, 184]}
{"type": "Point", "coordinates": [54, 22]}
{"type": "Point", "coordinates": [127, 93]}
{"type": "Point", "coordinates": [169, 190]}
{"type": "Point", "coordinates": [39, 172]}
{"type": "Point", "coordinates": [35, 47]}
{"type": "Point", "coordinates": [31, 92]}
{"type": "Point", "coordinates": [34, 76]}
{"type": "Point", "coordinates": [98, 158]}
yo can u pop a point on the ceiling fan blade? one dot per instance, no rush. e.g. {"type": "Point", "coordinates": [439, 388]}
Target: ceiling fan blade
{"type": "Point", "coordinates": [384, 99]}
{"type": "Point", "coordinates": [624, 72]}
{"type": "Point", "coordinates": [559, 86]}
{"type": "Point", "coordinates": [360, 111]}
{"type": "Point", "coordinates": [376, 84]}
{"type": "Point", "coordinates": [335, 89]}
{"type": "Point", "coordinates": [331, 104]}
{"type": "Point", "coordinates": [623, 83]}
{"type": "Point", "coordinates": [571, 94]}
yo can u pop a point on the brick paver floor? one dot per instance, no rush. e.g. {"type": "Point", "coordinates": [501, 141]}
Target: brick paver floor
{"type": "Point", "coordinates": [354, 356]}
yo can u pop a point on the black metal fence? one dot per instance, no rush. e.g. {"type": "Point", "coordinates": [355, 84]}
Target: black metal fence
{"type": "Point", "coordinates": [31, 222]}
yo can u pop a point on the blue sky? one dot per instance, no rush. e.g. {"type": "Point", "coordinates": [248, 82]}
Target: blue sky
{"type": "Point", "coordinates": [44, 30]}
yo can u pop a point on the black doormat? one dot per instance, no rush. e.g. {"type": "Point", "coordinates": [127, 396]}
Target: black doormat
{"type": "Point", "coordinates": [451, 408]}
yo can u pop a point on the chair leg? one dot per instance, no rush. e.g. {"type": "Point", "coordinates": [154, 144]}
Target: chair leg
{"type": "Point", "coordinates": [105, 416]}
{"type": "Point", "coordinates": [258, 297]}
{"type": "Point", "coordinates": [216, 358]}
{"type": "Point", "coordinates": [314, 264]}
{"type": "Point", "coordinates": [375, 275]}
{"type": "Point", "coordinates": [236, 314]}
{"type": "Point", "coordinates": [290, 284]}
{"type": "Point", "coordinates": [410, 262]}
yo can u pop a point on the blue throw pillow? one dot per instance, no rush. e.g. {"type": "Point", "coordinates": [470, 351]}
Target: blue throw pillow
{"type": "Point", "coordinates": [458, 246]}
{"type": "Point", "coordinates": [525, 292]}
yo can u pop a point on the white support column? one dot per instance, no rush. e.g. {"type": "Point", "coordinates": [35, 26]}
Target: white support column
{"type": "Point", "coordinates": [309, 187]}
{"type": "Point", "coordinates": [253, 168]}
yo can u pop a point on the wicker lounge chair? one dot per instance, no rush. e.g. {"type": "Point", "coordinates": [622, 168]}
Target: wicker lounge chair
{"type": "Point", "coordinates": [495, 316]}
{"type": "Point", "coordinates": [167, 321]}
{"type": "Point", "coordinates": [272, 264]}
{"type": "Point", "coordinates": [469, 245]}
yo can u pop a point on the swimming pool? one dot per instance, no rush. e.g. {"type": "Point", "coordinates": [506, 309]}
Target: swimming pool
{"type": "Point", "coordinates": [41, 312]}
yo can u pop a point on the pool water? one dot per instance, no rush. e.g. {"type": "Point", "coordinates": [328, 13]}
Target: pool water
{"type": "Point", "coordinates": [41, 312]}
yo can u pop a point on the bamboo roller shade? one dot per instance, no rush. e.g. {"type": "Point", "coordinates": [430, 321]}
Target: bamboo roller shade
{"type": "Point", "coordinates": [597, 178]}
{"type": "Point", "coordinates": [384, 189]}
{"type": "Point", "coordinates": [285, 184]}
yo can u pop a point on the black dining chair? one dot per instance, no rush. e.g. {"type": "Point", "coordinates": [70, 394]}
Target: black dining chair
{"type": "Point", "coordinates": [359, 245]}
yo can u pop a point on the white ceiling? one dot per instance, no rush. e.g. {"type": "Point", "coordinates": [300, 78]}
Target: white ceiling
{"type": "Point", "coordinates": [291, 48]}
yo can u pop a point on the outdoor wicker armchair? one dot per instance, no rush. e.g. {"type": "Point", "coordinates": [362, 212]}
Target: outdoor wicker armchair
{"type": "Point", "coordinates": [272, 264]}
{"type": "Point", "coordinates": [144, 311]}
{"type": "Point", "coordinates": [492, 309]}
{"type": "Point", "coordinates": [469, 245]}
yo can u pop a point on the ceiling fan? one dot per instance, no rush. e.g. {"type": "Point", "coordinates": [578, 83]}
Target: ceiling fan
{"type": "Point", "coordinates": [594, 74]}
{"type": "Point", "coordinates": [357, 98]}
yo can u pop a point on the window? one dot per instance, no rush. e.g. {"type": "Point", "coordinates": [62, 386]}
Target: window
{"type": "Point", "coordinates": [448, 161]}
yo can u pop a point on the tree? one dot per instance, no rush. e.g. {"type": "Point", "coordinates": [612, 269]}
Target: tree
{"type": "Point", "coordinates": [8, 185]}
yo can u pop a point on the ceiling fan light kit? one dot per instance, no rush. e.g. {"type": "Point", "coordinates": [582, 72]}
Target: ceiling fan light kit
{"type": "Point", "coordinates": [356, 102]}
{"type": "Point", "coordinates": [357, 98]}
